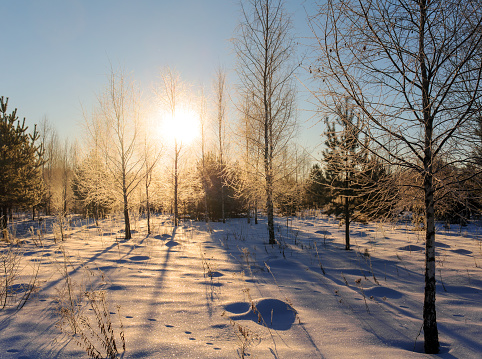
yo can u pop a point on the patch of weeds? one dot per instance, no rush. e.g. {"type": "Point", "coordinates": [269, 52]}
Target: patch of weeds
{"type": "Point", "coordinates": [319, 259]}
{"type": "Point", "coordinates": [359, 285]}
{"type": "Point", "coordinates": [36, 235]}
{"type": "Point", "coordinates": [13, 293]}
{"type": "Point", "coordinates": [245, 337]}
{"type": "Point", "coordinates": [344, 279]}
{"type": "Point", "coordinates": [208, 268]}
{"type": "Point", "coordinates": [84, 314]}
{"type": "Point", "coordinates": [368, 259]}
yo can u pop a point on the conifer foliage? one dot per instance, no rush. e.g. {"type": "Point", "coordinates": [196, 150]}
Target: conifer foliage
{"type": "Point", "coordinates": [345, 163]}
{"type": "Point", "coordinates": [21, 183]}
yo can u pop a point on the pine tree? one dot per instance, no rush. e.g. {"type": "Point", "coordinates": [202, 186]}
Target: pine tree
{"type": "Point", "coordinates": [21, 183]}
{"type": "Point", "coordinates": [345, 162]}
{"type": "Point", "coordinates": [316, 191]}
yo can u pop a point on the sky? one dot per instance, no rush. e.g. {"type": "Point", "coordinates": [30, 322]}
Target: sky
{"type": "Point", "coordinates": [56, 54]}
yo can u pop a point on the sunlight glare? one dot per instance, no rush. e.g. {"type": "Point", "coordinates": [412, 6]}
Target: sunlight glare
{"type": "Point", "coordinates": [183, 126]}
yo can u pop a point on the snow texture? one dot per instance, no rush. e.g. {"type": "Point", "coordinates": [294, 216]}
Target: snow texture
{"type": "Point", "coordinates": [184, 292]}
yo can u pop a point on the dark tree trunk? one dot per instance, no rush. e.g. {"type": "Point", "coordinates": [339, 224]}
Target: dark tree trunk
{"type": "Point", "coordinates": [126, 219]}
{"type": "Point", "coordinates": [222, 200]}
{"type": "Point", "coordinates": [269, 210]}
{"type": "Point", "coordinates": [256, 212]}
{"type": "Point", "coordinates": [4, 218]}
{"type": "Point", "coordinates": [430, 330]}
{"type": "Point", "coordinates": [347, 224]}
{"type": "Point", "coordinates": [148, 217]}
{"type": "Point", "coordinates": [431, 342]}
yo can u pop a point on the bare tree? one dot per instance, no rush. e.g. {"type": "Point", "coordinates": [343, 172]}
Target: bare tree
{"type": "Point", "coordinates": [264, 48]}
{"type": "Point", "coordinates": [171, 92]}
{"type": "Point", "coordinates": [120, 115]}
{"type": "Point", "coordinates": [50, 142]}
{"type": "Point", "coordinates": [67, 159]}
{"type": "Point", "coordinates": [413, 69]}
{"type": "Point", "coordinates": [152, 155]}
{"type": "Point", "coordinates": [248, 140]}
{"type": "Point", "coordinates": [93, 183]}
{"type": "Point", "coordinates": [203, 120]}
{"type": "Point", "coordinates": [220, 94]}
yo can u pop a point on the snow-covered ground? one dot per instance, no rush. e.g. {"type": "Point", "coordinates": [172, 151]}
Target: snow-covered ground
{"type": "Point", "coordinates": [208, 291]}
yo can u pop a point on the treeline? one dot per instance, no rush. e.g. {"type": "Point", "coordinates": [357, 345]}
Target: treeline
{"type": "Point", "coordinates": [45, 175]}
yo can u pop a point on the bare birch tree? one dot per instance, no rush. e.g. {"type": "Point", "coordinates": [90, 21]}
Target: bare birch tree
{"type": "Point", "coordinates": [170, 94]}
{"type": "Point", "coordinates": [413, 69]}
{"type": "Point", "coordinates": [203, 124]}
{"type": "Point", "coordinates": [264, 47]}
{"type": "Point", "coordinates": [120, 114]}
{"type": "Point", "coordinates": [152, 154]}
{"type": "Point", "coordinates": [50, 142]}
{"type": "Point", "coordinates": [220, 98]}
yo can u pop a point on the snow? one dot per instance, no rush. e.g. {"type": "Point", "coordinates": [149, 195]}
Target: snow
{"type": "Point", "coordinates": [191, 291]}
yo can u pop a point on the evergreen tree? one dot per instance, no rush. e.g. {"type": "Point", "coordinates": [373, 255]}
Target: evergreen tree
{"type": "Point", "coordinates": [316, 192]}
{"type": "Point", "coordinates": [21, 183]}
{"type": "Point", "coordinates": [345, 164]}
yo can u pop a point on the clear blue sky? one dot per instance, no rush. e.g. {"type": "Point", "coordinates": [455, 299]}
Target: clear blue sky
{"type": "Point", "coordinates": [56, 53]}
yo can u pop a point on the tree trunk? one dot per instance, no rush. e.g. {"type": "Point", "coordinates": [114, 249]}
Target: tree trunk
{"type": "Point", "coordinates": [269, 182]}
{"type": "Point", "coordinates": [126, 218]}
{"type": "Point", "coordinates": [148, 210]}
{"type": "Point", "coordinates": [222, 199]}
{"type": "Point", "coordinates": [176, 213]}
{"type": "Point", "coordinates": [96, 214]}
{"type": "Point", "coordinates": [256, 211]}
{"type": "Point", "coordinates": [3, 219]}
{"type": "Point", "coordinates": [347, 224]}
{"type": "Point", "coordinates": [431, 342]}
{"type": "Point", "coordinates": [269, 210]}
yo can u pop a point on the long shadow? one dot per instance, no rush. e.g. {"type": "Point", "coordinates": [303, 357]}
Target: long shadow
{"type": "Point", "coordinates": [335, 259]}
{"type": "Point", "coordinates": [229, 248]}
{"type": "Point", "coordinates": [158, 288]}
{"type": "Point", "coordinates": [77, 268]}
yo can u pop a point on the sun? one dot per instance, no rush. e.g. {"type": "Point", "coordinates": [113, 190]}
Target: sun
{"type": "Point", "coordinates": [182, 127]}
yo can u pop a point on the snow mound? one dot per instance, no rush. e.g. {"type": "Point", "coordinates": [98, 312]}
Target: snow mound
{"type": "Point", "coordinates": [441, 245]}
{"type": "Point", "coordinates": [139, 258]}
{"type": "Point", "coordinates": [172, 243]}
{"type": "Point", "coordinates": [411, 248]}
{"type": "Point", "coordinates": [382, 292]}
{"type": "Point", "coordinates": [275, 313]}
{"type": "Point", "coordinates": [462, 251]}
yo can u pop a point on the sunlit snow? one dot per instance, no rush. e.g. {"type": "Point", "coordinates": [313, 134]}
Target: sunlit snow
{"type": "Point", "coordinates": [188, 292]}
